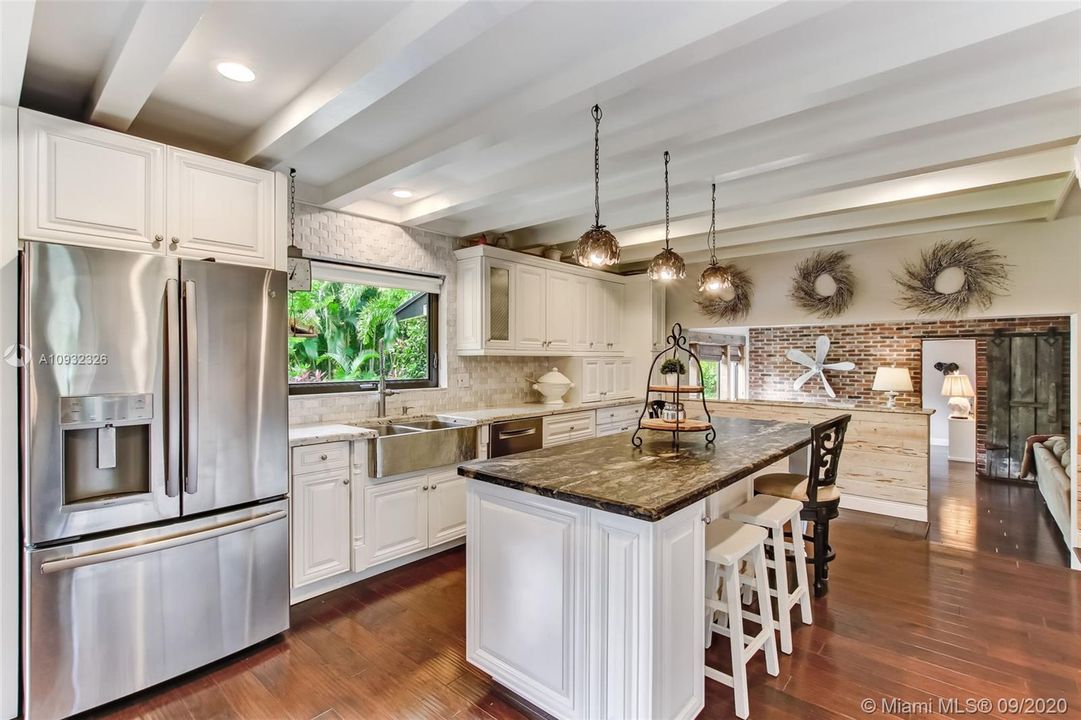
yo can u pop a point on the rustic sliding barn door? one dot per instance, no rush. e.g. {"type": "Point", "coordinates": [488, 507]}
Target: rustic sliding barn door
{"type": "Point", "coordinates": [1024, 396]}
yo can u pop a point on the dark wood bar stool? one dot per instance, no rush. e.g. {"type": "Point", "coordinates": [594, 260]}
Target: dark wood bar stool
{"type": "Point", "coordinates": [817, 491]}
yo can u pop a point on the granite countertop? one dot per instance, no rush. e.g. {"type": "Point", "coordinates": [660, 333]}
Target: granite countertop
{"type": "Point", "coordinates": [839, 406]}
{"type": "Point", "coordinates": [650, 482]}
{"type": "Point", "coordinates": [315, 433]}
{"type": "Point", "coordinates": [325, 432]}
{"type": "Point", "coordinates": [514, 412]}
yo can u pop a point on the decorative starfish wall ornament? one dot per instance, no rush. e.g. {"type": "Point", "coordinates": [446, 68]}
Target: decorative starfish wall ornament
{"type": "Point", "coordinates": [817, 364]}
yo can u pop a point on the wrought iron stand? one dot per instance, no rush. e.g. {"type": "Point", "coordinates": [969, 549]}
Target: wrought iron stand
{"type": "Point", "coordinates": [675, 344]}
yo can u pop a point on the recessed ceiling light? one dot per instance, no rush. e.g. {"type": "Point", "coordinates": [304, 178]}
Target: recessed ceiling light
{"type": "Point", "coordinates": [236, 71]}
{"type": "Point", "coordinates": [402, 193]}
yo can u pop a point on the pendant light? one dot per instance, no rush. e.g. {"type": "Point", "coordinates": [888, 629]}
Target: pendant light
{"type": "Point", "coordinates": [713, 279]}
{"type": "Point", "coordinates": [667, 265]}
{"type": "Point", "coordinates": [597, 247]}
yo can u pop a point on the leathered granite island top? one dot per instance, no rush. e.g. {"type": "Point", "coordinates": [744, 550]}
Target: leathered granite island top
{"type": "Point", "coordinates": [650, 482]}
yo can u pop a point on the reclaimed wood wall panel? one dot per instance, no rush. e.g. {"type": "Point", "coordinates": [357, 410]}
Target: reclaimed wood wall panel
{"type": "Point", "coordinates": [886, 455]}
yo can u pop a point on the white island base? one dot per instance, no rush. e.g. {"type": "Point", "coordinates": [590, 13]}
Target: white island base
{"type": "Point", "coordinates": [587, 613]}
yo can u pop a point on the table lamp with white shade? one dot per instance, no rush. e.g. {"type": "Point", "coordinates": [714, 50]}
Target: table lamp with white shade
{"type": "Point", "coordinates": [958, 388]}
{"type": "Point", "coordinates": [892, 380]}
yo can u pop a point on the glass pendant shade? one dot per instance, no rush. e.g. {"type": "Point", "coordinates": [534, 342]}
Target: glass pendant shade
{"type": "Point", "coordinates": [597, 247]}
{"type": "Point", "coordinates": [713, 280]}
{"type": "Point", "coordinates": [667, 265]}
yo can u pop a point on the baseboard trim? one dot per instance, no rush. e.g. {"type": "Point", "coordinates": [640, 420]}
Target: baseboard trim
{"type": "Point", "coordinates": [892, 508]}
{"type": "Point", "coordinates": [320, 587]}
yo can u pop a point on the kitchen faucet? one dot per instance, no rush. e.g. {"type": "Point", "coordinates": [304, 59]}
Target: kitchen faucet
{"type": "Point", "coordinates": [383, 392]}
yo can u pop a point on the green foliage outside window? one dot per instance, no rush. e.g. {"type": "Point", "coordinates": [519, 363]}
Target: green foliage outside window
{"type": "Point", "coordinates": [348, 320]}
{"type": "Point", "coordinates": [709, 378]}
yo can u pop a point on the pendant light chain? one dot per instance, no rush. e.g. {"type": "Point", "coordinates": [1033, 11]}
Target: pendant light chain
{"type": "Point", "coordinates": [711, 238]}
{"type": "Point", "coordinates": [667, 202]}
{"type": "Point", "coordinates": [292, 205]}
{"type": "Point", "coordinates": [597, 115]}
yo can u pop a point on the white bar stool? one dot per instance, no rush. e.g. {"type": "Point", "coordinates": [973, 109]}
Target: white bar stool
{"type": "Point", "coordinates": [772, 514]}
{"type": "Point", "coordinates": [728, 543]}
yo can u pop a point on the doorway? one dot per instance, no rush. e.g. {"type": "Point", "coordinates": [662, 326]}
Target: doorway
{"type": "Point", "coordinates": [942, 358]}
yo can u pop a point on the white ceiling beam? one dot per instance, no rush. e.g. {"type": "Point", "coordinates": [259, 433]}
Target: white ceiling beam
{"type": "Point", "coordinates": [949, 223]}
{"type": "Point", "coordinates": [885, 160]}
{"type": "Point", "coordinates": [783, 141]}
{"type": "Point", "coordinates": [16, 20]}
{"type": "Point", "coordinates": [786, 85]}
{"type": "Point", "coordinates": [1042, 164]}
{"type": "Point", "coordinates": [416, 38]}
{"type": "Point", "coordinates": [693, 36]}
{"type": "Point", "coordinates": [1043, 192]}
{"type": "Point", "coordinates": [154, 35]}
{"type": "Point", "coordinates": [1064, 193]}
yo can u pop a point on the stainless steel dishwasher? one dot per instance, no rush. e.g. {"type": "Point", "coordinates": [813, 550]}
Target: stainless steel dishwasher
{"type": "Point", "coordinates": [515, 436]}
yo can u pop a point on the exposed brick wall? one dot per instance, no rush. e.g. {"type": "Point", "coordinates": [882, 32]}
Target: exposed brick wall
{"type": "Point", "coordinates": [870, 346]}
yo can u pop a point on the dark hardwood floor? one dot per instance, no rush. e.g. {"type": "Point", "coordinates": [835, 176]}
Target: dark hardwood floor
{"type": "Point", "coordinates": [1002, 518]}
{"type": "Point", "coordinates": [905, 618]}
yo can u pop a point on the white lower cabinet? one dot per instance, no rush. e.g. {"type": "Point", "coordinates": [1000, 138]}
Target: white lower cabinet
{"type": "Point", "coordinates": [320, 525]}
{"type": "Point", "coordinates": [446, 507]}
{"type": "Point", "coordinates": [571, 427]}
{"type": "Point", "coordinates": [346, 522]}
{"type": "Point", "coordinates": [395, 518]}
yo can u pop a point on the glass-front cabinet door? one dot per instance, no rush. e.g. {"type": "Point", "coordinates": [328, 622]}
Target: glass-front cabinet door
{"type": "Point", "coordinates": [499, 295]}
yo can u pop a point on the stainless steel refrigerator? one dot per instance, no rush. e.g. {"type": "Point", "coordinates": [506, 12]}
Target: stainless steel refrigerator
{"type": "Point", "coordinates": [154, 469]}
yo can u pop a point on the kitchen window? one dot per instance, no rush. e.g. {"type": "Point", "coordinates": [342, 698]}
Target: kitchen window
{"type": "Point", "coordinates": [335, 329]}
{"type": "Point", "coordinates": [724, 375]}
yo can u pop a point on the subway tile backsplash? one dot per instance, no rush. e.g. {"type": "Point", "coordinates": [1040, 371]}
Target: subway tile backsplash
{"type": "Point", "coordinates": [491, 381]}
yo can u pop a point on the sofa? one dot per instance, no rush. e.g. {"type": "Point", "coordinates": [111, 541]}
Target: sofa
{"type": "Point", "coordinates": [1054, 473]}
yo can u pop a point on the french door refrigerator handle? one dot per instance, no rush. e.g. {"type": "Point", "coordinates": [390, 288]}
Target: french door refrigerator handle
{"type": "Point", "coordinates": [54, 566]}
{"type": "Point", "coordinates": [171, 395]}
{"type": "Point", "coordinates": [191, 390]}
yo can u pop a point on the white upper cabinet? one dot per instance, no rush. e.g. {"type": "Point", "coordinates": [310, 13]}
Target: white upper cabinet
{"type": "Point", "coordinates": [559, 311]}
{"type": "Point", "coordinates": [220, 209]}
{"type": "Point", "coordinates": [85, 185]}
{"type": "Point", "coordinates": [579, 315]}
{"type": "Point", "coordinates": [515, 304]}
{"type": "Point", "coordinates": [613, 316]}
{"type": "Point", "coordinates": [530, 285]}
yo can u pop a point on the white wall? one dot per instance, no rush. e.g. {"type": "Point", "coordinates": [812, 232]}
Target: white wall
{"type": "Point", "coordinates": [962, 352]}
{"type": "Point", "coordinates": [1044, 258]}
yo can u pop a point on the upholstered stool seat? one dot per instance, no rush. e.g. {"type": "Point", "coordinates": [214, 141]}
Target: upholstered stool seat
{"type": "Point", "coordinates": [793, 486]}
{"type": "Point", "coordinates": [817, 491]}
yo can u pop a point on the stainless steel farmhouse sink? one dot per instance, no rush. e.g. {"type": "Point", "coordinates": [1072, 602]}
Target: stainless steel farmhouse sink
{"type": "Point", "coordinates": [418, 444]}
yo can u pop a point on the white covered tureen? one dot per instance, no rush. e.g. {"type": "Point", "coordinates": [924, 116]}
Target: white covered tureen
{"type": "Point", "coordinates": [553, 385]}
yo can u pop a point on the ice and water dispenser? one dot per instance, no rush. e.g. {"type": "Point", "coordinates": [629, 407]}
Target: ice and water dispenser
{"type": "Point", "coordinates": [106, 446]}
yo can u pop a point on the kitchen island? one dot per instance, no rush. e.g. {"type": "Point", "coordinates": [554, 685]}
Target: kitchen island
{"type": "Point", "coordinates": [585, 565]}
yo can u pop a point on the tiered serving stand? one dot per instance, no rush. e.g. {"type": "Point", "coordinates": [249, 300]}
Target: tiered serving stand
{"type": "Point", "coordinates": [675, 344]}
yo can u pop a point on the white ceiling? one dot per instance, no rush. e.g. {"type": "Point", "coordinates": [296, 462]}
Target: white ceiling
{"type": "Point", "coordinates": [817, 120]}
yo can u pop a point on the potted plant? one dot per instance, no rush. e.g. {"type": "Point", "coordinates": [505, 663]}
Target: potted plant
{"type": "Point", "coordinates": [672, 368]}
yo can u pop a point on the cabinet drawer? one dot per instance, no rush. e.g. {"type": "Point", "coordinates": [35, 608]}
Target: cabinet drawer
{"type": "Point", "coordinates": [325, 456]}
{"type": "Point", "coordinates": [626, 413]}
{"type": "Point", "coordinates": [616, 428]}
{"type": "Point", "coordinates": [559, 429]}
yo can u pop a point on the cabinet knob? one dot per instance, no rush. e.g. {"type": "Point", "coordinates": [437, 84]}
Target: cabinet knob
{"type": "Point", "coordinates": [157, 240]}
{"type": "Point", "coordinates": [173, 242]}
{"type": "Point", "coordinates": [707, 519]}
{"type": "Point", "coordinates": [424, 488]}
{"type": "Point", "coordinates": [322, 457]}
{"type": "Point", "coordinates": [433, 486]}
{"type": "Point", "coordinates": [345, 481]}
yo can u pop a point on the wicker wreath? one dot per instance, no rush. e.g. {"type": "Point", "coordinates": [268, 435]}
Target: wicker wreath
{"type": "Point", "coordinates": [835, 265]}
{"type": "Point", "coordinates": [735, 308]}
{"type": "Point", "coordinates": [986, 276]}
